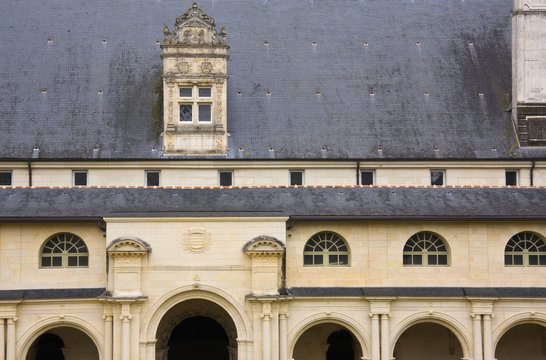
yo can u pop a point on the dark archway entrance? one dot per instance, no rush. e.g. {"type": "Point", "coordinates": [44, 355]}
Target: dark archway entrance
{"type": "Point", "coordinates": [199, 337]}
{"type": "Point", "coordinates": [525, 341]}
{"type": "Point", "coordinates": [196, 329]}
{"type": "Point", "coordinates": [63, 343]}
{"type": "Point", "coordinates": [340, 346]}
{"type": "Point", "coordinates": [327, 341]}
{"type": "Point", "coordinates": [428, 341]}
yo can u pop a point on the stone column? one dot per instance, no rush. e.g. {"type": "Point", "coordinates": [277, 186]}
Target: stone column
{"type": "Point", "coordinates": [283, 334]}
{"type": "Point", "coordinates": [487, 338]}
{"type": "Point", "coordinates": [266, 331]}
{"type": "Point", "coordinates": [478, 355]}
{"type": "Point", "coordinates": [116, 333]}
{"type": "Point", "coordinates": [150, 351]}
{"type": "Point", "coordinates": [125, 318]}
{"type": "Point", "coordinates": [108, 337]}
{"type": "Point", "coordinates": [375, 337]}
{"type": "Point", "coordinates": [10, 339]}
{"type": "Point", "coordinates": [135, 331]}
{"type": "Point", "coordinates": [2, 339]}
{"type": "Point", "coordinates": [385, 340]}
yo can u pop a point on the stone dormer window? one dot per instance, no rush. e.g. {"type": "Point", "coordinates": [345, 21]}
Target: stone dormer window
{"type": "Point", "coordinates": [195, 104]}
{"type": "Point", "coordinates": [194, 85]}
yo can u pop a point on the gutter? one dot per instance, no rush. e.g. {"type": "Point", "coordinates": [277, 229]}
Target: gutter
{"type": "Point", "coordinates": [532, 172]}
{"type": "Point", "coordinates": [29, 162]}
{"type": "Point", "coordinates": [357, 172]}
{"type": "Point", "coordinates": [416, 218]}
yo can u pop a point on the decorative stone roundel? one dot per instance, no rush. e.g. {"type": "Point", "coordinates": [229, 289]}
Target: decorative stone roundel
{"type": "Point", "coordinates": [197, 240]}
{"type": "Point", "coordinates": [206, 67]}
{"type": "Point", "coordinates": [184, 67]}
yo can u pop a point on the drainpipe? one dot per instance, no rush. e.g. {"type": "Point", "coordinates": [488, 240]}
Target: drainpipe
{"type": "Point", "coordinates": [29, 172]}
{"type": "Point", "coordinates": [358, 172]}
{"type": "Point", "coordinates": [531, 172]}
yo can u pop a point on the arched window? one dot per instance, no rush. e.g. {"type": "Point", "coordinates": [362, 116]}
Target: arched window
{"type": "Point", "coordinates": [525, 249]}
{"type": "Point", "coordinates": [326, 248]}
{"type": "Point", "coordinates": [425, 248]}
{"type": "Point", "coordinates": [64, 250]}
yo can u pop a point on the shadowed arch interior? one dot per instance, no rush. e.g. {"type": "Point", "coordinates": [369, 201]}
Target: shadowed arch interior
{"type": "Point", "coordinates": [524, 341]}
{"type": "Point", "coordinates": [63, 343]}
{"type": "Point", "coordinates": [197, 329]}
{"type": "Point", "coordinates": [428, 341]}
{"type": "Point", "coordinates": [328, 341]}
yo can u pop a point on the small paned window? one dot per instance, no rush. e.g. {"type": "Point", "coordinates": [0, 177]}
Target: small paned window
{"type": "Point", "coordinates": [226, 178]}
{"type": "Point", "coordinates": [425, 249]}
{"type": "Point", "coordinates": [205, 113]}
{"type": "Point", "coordinates": [186, 92]}
{"type": "Point", "coordinates": [367, 177]}
{"type": "Point", "coordinates": [80, 177]}
{"type": "Point", "coordinates": [525, 249]}
{"type": "Point", "coordinates": [205, 92]}
{"type": "Point", "coordinates": [186, 113]}
{"type": "Point", "coordinates": [195, 105]}
{"type": "Point", "coordinates": [5, 178]}
{"type": "Point", "coordinates": [64, 250]}
{"type": "Point", "coordinates": [296, 177]}
{"type": "Point", "coordinates": [437, 177]}
{"type": "Point", "coordinates": [152, 178]}
{"type": "Point", "coordinates": [326, 249]}
{"type": "Point", "coordinates": [511, 177]}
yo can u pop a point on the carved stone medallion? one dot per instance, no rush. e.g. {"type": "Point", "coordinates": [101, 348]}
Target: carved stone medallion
{"type": "Point", "coordinates": [184, 67]}
{"type": "Point", "coordinates": [197, 240]}
{"type": "Point", "coordinates": [206, 67]}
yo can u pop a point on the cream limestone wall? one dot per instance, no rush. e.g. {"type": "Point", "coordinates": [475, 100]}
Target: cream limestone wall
{"type": "Point", "coordinates": [220, 263]}
{"type": "Point", "coordinates": [476, 255]}
{"type": "Point", "coordinates": [257, 173]}
{"type": "Point", "coordinates": [20, 246]}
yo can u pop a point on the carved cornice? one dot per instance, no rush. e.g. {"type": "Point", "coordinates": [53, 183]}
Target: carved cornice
{"type": "Point", "coordinates": [264, 245]}
{"type": "Point", "coordinates": [128, 246]}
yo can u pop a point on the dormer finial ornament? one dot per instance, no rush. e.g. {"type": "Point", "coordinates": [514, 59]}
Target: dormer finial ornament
{"type": "Point", "coordinates": [194, 28]}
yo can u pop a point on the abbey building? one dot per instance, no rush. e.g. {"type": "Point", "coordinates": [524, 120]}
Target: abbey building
{"type": "Point", "coordinates": [265, 180]}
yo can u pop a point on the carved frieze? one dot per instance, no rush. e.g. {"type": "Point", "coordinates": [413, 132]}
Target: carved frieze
{"type": "Point", "coordinates": [184, 67]}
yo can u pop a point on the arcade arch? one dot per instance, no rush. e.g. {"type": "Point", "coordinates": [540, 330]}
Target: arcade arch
{"type": "Point", "coordinates": [523, 340]}
{"type": "Point", "coordinates": [334, 337]}
{"type": "Point", "coordinates": [428, 340]}
{"type": "Point", "coordinates": [62, 343]}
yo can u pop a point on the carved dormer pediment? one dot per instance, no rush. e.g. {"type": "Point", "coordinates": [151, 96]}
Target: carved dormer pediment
{"type": "Point", "coordinates": [264, 245]}
{"type": "Point", "coordinates": [128, 246]}
{"type": "Point", "coordinates": [195, 85]}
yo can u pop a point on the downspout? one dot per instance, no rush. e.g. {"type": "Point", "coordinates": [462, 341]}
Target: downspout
{"type": "Point", "coordinates": [532, 172]}
{"type": "Point", "coordinates": [29, 163]}
{"type": "Point", "coordinates": [358, 172]}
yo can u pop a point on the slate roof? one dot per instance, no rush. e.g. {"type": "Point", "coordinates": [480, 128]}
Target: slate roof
{"type": "Point", "coordinates": [49, 294]}
{"type": "Point", "coordinates": [80, 75]}
{"type": "Point", "coordinates": [490, 292]}
{"type": "Point", "coordinates": [300, 203]}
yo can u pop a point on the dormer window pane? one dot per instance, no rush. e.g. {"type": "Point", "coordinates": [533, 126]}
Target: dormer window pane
{"type": "Point", "coordinates": [205, 92]}
{"type": "Point", "coordinates": [186, 92]}
{"type": "Point", "coordinates": [205, 113]}
{"type": "Point", "coordinates": [185, 113]}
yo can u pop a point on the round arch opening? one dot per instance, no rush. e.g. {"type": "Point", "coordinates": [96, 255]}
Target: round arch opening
{"type": "Point", "coordinates": [196, 329]}
{"type": "Point", "coordinates": [524, 341]}
{"type": "Point", "coordinates": [428, 341]}
{"type": "Point", "coordinates": [328, 341]}
{"type": "Point", "coordinates": [63, 343]}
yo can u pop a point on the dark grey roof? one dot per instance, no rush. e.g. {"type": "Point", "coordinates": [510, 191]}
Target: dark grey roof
{"type": "Point", "coordinates": [493, 292]}
{"type": "Point", "coordinates": [297, 203]}
{"type": "Point", "coordinates": [39, 294]}
{"type": "Point", "coordinates": [418, 63]}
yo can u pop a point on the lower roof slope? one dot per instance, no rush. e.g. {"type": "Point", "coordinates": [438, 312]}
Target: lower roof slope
{"type": "Point", "coordinates": [36, 204]}
{"type": "Point", "coordinates": [351, 79]}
